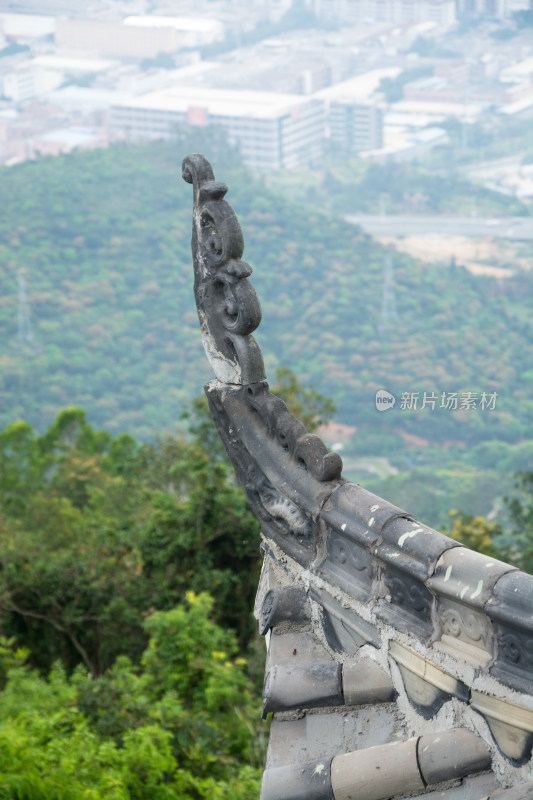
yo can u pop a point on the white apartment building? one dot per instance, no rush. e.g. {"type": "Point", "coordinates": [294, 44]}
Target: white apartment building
{"type": "Point", "coordinates": [22, 83]}
{"type": "Point", "coordinates": [273, 131]}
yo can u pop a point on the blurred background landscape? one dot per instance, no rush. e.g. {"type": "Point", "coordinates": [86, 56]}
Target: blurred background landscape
{"type": "Point", "coordinates": [379, 155]}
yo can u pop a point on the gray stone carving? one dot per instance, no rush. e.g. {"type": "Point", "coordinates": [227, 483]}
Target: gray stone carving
{"type": "Point", "coordinates": [382, 633]}
{"type": "Point", "coordinates": [509, 607]}
{"type": "Point", "coordinates": [227, 304]}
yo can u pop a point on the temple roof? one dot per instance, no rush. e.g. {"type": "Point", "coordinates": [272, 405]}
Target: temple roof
{"type": "Point", "coordinates": [399, 662]}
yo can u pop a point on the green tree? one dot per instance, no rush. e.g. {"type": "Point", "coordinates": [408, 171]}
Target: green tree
{"type": "Point", "coordinates": [477, 533]}
{"type": "Point", "coordinates": [97, 532]}
{"type": "Point", "coordinates": [183, 725]}
{"type": "Point", "coordinates": [311, 407]}
{"type": "Point", "coordinates": [512, 541]}
{"type": "Point", "coordinates": [392, 88]}
{"type": "Point", "coordinates": [520, 509]}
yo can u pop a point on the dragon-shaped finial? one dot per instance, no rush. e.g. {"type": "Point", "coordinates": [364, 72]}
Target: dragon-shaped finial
{"type": "Point", "coordinates": [227, 304]}
{"type": "Point", "coordinates": [229, 311]}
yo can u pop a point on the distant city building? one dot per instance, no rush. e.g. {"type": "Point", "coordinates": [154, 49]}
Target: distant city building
{"type": "Point", "coordinates": [45, 73]}
{"type": "Point", "coordinates": [355, 127]}
{"type": "Point", "coordinates": [26, 26]}
{"type": "Point", "coordinates": [273, 131]}
{"type": "Point", "coordinates": [193, 31]}
{"type": "Point", "coordinates": [428, 90]}
{"type": "Point", "coordinates": [454, 70]}
{"type": "Point", "coordinates": [443, 13]}
{"type": "Point", "coordinates": [21, 84]}
{"type": "Point", "coordinates": [491, 8]}
{"type": "Point", "coordinates": [137, 37]}
{"type": "Point", "coordinates": [397, 11]}
{"type": "Point", "coordinates": [52, 8]}
{"type": "Point", "coordinates": [63, 140]}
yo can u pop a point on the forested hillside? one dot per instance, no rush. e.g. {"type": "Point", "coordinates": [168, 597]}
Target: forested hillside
{"type": "Point", "coordinates": [371, 187]}
{"type": "Point", "coordinates": [102, 241]}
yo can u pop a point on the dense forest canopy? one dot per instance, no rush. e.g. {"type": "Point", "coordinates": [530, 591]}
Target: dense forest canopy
{"type": "Point", "coordinates": [101, 240]}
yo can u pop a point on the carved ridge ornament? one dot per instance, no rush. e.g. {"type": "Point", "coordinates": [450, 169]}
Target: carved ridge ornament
{"type": "Point", "coordinates": [228, 307]}
{"type": "Point", "coordinates": [229, 310]}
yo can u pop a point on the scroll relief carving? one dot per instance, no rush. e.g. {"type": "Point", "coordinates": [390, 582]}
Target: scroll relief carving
{"type": "Point", "coordinates": [516, 649]}
{"type": "Point", "coordinates": [463, 624]}
{"type": "Point", "coordinates": [408, 593]}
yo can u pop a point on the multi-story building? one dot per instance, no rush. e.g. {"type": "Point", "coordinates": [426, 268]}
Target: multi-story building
{"type": "Point", "coordinates": [440, 11]}
{"type": "Point", "coordinates": [26, 26]}
{"type": "Point", "coordinates": [396, 11]}
{"type": "Point", "coordinates": [273, 131]}
{"type": "Point", "coordinates": [491, 8]}
{"type": "Point", "coordinates": [21, 84]}
{"type": "Point", "coordinates": [355, 127]}
{"type": "Point", "coordinates": [429, 90]}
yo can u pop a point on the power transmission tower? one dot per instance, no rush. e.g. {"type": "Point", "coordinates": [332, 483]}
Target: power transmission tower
{"type": "Point", "coordinates": [388, 302]}
{"type": "Point", "coordinates": [25, 329]}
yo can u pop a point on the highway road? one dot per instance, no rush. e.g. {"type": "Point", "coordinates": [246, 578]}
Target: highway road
{"type": "Point", "coordinates": [502, 227]}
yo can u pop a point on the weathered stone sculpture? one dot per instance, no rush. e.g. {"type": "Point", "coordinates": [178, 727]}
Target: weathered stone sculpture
{"type": "Point", "coordinates": [399, 662]}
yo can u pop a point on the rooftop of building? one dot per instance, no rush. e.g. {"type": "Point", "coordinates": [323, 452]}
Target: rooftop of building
{"type": "Point", "coordinates": [190, 24]}
{"type": "Point", "coordinates": [438, 108]}
{"type": "Point", "coordinates": [396, 657]}
{"type": "Point", "coordinates": [85, 99]}
{"type": "Point", "coordinates": [360, 86]}
{"type": "Point", "coordinates": [219, 102]}
{"type": "Point", "coordinates": [73, 137]}
{"type": "Point", "coordinates": [72, 63]}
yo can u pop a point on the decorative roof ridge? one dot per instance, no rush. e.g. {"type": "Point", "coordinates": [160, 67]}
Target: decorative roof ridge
{"type": "Point", "coordinates": [347, 569]}
{"type": "Point", "coordinates": [229, 311]}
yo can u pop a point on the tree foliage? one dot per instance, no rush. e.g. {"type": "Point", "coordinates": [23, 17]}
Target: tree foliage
{"type": "Point", "coordinates": [312, 408]}
{"type": "Point", "coordinates": [520, 508]}
{"type": "Point", "coordinates": [392, 88]}
{"type": "Point", "coordinates": [121, 677]}
{"type": "Point", "coordinates": [511, 540]}
{"type": "Point", "coordinates": [98, 531]}
{"type": "Point", "coordinates": [477, 533]}
{"type": "Point", "coordinates": [179, 726]}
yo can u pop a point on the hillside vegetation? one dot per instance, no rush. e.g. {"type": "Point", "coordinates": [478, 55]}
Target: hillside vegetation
{"type": "Point", "coordinates": [120, 677]}
{"type": "Point", "coordinates": [102, 240]}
